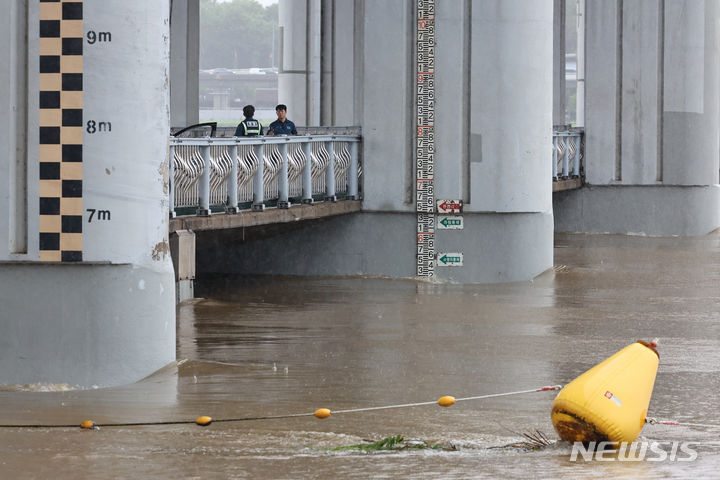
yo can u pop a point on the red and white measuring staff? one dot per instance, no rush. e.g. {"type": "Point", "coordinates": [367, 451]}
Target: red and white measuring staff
{"type": "Point", "coordinates": [425, 138]}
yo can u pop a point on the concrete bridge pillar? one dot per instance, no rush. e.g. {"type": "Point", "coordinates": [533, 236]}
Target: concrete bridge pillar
{"type": "Point", "coordinates": [86, 281]}
{"type": "Point", "coordinates": [294, 64]}
{"type": "Point", "coordinates": [493, 124]}
{"type": "Point", "coordinates": [317, 60]}
{"type": "Point", "coordinates": [652, 121]}
{"type": "Point", "coordinates": [184, 63]}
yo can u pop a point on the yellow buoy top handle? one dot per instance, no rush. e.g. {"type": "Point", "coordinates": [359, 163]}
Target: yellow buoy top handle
{"type": "Point", "coordinates": [652, 345]}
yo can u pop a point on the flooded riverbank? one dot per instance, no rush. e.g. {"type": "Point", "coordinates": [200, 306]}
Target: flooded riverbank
{"type": "Point", "coordinates": [256, 347]}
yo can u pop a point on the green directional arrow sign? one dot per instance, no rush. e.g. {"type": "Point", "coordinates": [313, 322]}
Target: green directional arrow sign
{"type": "Point", "coordinates": [450, 222]}
{"type": "Point", "coordinates": [450, 259]}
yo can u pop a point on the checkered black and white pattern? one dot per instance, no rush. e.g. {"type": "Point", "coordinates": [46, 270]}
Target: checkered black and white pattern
{"type": "Point", "coordinates": [61, 130]}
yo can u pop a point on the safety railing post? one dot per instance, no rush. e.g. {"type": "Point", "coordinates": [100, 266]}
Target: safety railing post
{"type": "Point", "coordinates": [555, 156]}
{"type": "Point", "coordinates": [283, 187]}
{"type": "Point", "coordinates": [566, 157]}
{"type": "Point", "coordinates": [171, 182]}
{"type": "Point", "coordinates": [307, 197]}
{"type": "Point", "coordinates": [330, 173]}
{"type": "Point", "coordinates": [352, 193]}
{"type": "Point", "coordinates": [258, 180]}
{"type": "Point", "coordinates": [576, 163]}
{"type": "Point", "coordinates": [204, 185]}
{"type": "Point", "coordinates": [232, 186]}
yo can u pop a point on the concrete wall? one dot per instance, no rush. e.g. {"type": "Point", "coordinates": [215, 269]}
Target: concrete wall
{"type": "Point", "coordinates": [110, 318]}
{"type": "Point", "coordinates": [652, 145]}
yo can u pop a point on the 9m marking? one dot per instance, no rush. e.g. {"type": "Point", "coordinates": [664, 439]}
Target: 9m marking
{"type": "Point", "coordinates": [93, 37]}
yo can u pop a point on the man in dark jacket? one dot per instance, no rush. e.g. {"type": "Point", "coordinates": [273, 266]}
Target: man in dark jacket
{"type": "Point", "coordinates": [248, 127]}
{"type": "Point", "coordinates": [282, 126]}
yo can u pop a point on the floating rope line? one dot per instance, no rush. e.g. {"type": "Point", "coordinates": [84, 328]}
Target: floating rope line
{"type": "Point", "coordinates": [655, 421]}
{"type": "Point", "coordinates": [445, 401]}
{"type": "Point", "coordinates": [451, 400]}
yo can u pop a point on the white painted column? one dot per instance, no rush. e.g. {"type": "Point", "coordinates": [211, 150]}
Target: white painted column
{"type": "Point", "coordinates": [184, 63]}
{"type": "Point", "coordinates": [293, 55]}
{"type": "Point", "coordinates": [315, 62]}
{"type": "Point", "coordinates": [580, 92]}
{"type": "Point", "coordinates": [511, 106]}
{"type": "Point", "coordinates": [344, 76]}
{"type": "Point", "coordinates": [13, 134]}
{"type": "Point", "coordinates": [559, 62]}
{"type": "Point", "coordinates": [109, 318]}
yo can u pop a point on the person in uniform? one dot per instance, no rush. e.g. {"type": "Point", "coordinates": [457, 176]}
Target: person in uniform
{"type": "Point", "coordinates": [248, 127]}
{"type": "Point", "coordinates": [282, 126]}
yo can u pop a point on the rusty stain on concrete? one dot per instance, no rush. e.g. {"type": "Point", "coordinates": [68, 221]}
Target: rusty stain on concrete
{"type": "Point", "coordinates": [160, 251]}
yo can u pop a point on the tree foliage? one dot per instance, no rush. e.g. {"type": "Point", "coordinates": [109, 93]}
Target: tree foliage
{"type": "Point", "coordinates": [237, 34]}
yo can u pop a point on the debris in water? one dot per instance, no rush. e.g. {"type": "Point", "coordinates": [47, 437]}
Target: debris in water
{"type": "Point", "coordinates": [535, 441]}
{"type": "Point", "coordinates": [395, 443]}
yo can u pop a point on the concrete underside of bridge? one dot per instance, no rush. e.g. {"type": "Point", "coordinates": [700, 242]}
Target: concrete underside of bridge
{"type": "Point", "coordinates": [375, 243]}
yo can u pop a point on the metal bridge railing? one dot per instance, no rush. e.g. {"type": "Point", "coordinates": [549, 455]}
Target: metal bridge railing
{"type": "Point", "coordinates": [568, 152]}
{"type": "Point", "coordinates": [231, 173]}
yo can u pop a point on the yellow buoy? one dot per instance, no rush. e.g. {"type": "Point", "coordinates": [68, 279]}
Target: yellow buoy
{"type": "Point", "coordinates": [609, 402]}
{"type": "Point", "coordinates": [203, 421]}
{"type": "Point", "coordinates": [87, 424]}
{"type": "Point", "coordinates": [322, 413]}
{"type": "Point", "coordinates": [446, 401]}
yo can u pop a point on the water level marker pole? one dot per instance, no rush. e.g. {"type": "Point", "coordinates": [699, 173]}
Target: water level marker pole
{"type": "Point", "coordinates": [425, 138]}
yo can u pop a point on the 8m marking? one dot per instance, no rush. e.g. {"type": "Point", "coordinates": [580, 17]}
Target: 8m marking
{"type": "Point", "coordinates": [101, 214]}
{"type": "Point", "coordinates": [93, 126]}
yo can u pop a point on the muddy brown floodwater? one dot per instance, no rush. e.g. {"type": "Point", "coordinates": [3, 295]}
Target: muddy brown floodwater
{"type": "Point", "coordinates": [255, 347]}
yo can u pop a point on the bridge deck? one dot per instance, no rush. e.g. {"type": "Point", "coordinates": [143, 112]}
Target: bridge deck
{"type": "Point", "coordinates": [567, 184]}
{"type": "Point", "coordinates": [270, 216]}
